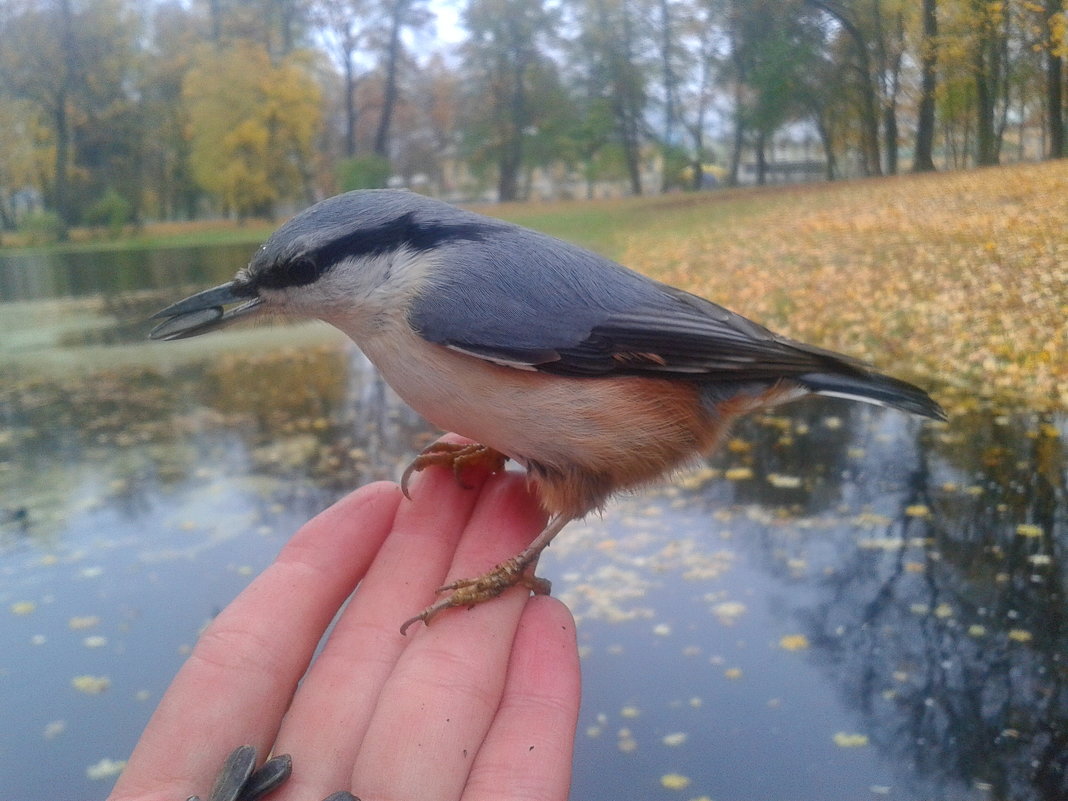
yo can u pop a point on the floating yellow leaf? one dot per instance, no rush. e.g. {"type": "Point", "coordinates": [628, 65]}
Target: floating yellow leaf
{"type": "Point", "coordinates": [784, 482]}
{"type": "Point", "coordinates": [917, 510]}
{"type": "Point", "coordinates": [83, 622]}
{"type": "Point", "coordinates": [739, 474]}
{"type": "Point", "coordinates": [728, 611]}
{"type": "Point", "coordinates": [1029, 530]}
{"type": "Point", "coordinates": [846, 740]}
{"type": "Point", "coordinates": [793, 642]}
{"type": "Point", "coordinates": [90, 685]}
{"type": "Point", "coordinates": [674, 739]}
{"type": "Point", "coordinates": [105, 768]}
{"type": "Point", "coordinates": [733, 673]}
{"type": "Point", "coordinates": [23, 608]}
{"type": "Point", "coordinates": [674, 781]}
{"type": "Point", "coordinates": [1020, 635]}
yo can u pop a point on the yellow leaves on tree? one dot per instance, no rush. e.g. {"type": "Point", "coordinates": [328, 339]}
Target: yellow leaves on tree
{"type": "Point", "coordinates": [252, 125]}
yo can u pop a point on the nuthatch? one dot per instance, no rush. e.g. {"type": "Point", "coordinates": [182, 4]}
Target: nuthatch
{"type": "Point", "coordinates": [592, 376]}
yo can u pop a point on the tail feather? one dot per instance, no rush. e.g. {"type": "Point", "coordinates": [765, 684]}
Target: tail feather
{"type": "Point", "coordinates": [876, 388]}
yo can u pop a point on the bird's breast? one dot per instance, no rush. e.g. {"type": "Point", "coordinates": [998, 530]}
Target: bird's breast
{"type": "Point", "coordinates": [582, 438]}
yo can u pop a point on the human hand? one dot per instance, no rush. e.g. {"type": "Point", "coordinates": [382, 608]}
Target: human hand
{"type": "Point", "coordinates": [480, 705]}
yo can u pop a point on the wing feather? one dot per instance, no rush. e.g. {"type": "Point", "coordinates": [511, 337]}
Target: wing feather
{"type": "Point", "coordinates": [572, 312]}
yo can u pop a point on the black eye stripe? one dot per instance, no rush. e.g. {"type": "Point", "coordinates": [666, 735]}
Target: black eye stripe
{"type": "Point", "coordinates": [391, 235]}
{"type": "Point", "coordinates": [403, 231]}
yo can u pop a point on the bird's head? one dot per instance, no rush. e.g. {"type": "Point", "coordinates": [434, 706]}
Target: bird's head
{"type": "Point", "coordinates": [343, 259]}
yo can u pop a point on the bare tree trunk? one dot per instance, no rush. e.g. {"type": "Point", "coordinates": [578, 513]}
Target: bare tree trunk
{"type": "Point", "coordinates": [828, 147]}
{"type": "Point", "coordinates": [739, 140]}
{"type": "Point", "coordinates": [986, 150]}
{"type": "Point", "coordinates": [988, 72]}
{"type": "Point", "coordinates": [511, 158]}
{"type": "Point", "coordinates": [923, 160]}
{"type": "Point", "coordinates": [628, 105]}
{"type": "Point", "coordinates": [61, 187]}
{"type": "Point", "coordinates": [1055, 93]}
{"type": "Point", "coordinates": [389, 94]}
{"type": "Point", "coordinates": [761, 159]}
{"type": "Point", "coordinates": [350, 105]}
{"type": "Point", "coordinates": [890, 135]}
{"type": "Point", "coordinates": [670, 91]}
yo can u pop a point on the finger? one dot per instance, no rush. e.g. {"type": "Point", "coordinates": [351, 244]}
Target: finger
{"type": "Point", "coordinates": [235, 686]}
{"type": "Point", "coordinates": [436, 707]}
{"type": "Point", "coordinates": [326, 723]}
{"type": "Point", "coordinates": [530, 746]}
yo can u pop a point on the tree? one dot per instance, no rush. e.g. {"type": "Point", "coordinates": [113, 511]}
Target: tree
{"type": "Point", "coordinates": [775, 46]}
{"type": "Point", "coordinates": [343, 22]}
{"type": "Point", "coordinates": [503, 51]}
{"type": "Point", "coordinates": [922, 159]}
{"type": "Point", "coordinates": [846, 15]}
{"type": "Point", "coordinates": [73, 62]}
{"type": "Point", "coordinates": [610, 43]}
{"type": "Point", "coordinates": [705, 39]}
{"type": "Point", "coordinates": [253, 126]}
{"type": "Point", "coordinates": [400, 14]}
{"type": "Point", "coordinates": [170, 190]}
{"type": "Point", "coordinates": [989, 54]}
{"type": "Point", "coordinates": [1054, 47]}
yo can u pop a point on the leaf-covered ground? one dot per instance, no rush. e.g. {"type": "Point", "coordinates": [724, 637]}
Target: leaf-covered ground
{"type": "Point", "coordinates": [958, 281]}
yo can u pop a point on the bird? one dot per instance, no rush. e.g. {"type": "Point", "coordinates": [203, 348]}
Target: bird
{"type": "Point", "coordinates": [593, 377]}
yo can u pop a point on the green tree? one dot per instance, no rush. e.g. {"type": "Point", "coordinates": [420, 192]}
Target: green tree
{"type": "Point", "coordinates": [74, 63]}
{"type": "Point", "coordinates": [503, 53]}
{"type": "Point", "coordinates": [609, 46]}
{"type": "Point", "coordinates": [253, 126]}
{"type": "Point", "coordinates": [26, 158]}
{"type": "Point", "coordinates": [171, 192]}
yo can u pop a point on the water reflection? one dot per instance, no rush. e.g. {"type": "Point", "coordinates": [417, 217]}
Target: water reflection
{"type": "Point", "coordinates": [36, 275]}
{"type": "Point", "coordinates": [836, 570]}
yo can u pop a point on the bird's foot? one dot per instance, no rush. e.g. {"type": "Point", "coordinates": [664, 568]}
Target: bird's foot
{"type": "Point", "coordinates": [473, 591]}
{"type": "Point", "coordinates": [456, 456]}
{"type": "Point", "coordinates": [238, 779]}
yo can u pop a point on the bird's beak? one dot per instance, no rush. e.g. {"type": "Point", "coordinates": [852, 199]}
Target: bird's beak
{"type": "Point", "coordinates": [203, 312]}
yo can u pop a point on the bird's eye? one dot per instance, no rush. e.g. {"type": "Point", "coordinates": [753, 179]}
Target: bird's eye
{"type": "Point", "coordinates": [302, 270]}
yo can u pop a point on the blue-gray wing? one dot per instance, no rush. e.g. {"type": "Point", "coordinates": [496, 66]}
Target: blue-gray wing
{"type": "Point", "coordinates": [534, 302]}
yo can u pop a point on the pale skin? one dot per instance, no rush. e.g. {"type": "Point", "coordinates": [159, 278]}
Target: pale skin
{"type": "Point", "coordinates": [480, 705]}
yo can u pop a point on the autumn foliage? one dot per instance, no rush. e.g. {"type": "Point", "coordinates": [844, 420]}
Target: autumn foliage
{"type": "Point", "coordinates": [958, 281]}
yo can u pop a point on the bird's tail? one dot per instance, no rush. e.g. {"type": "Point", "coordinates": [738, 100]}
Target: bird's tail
{"type": "Point", "coordinates": [882, 390]}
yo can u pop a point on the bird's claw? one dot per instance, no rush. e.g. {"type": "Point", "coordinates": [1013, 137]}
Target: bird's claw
{"type": "Point", "coordinates": [238, 780]}
{"type": "Point", "coordinates": [456, 456]}
{"type": "Point", "coordinates": [473, 591]}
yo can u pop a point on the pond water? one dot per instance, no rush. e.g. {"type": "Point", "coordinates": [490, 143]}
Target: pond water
{"type": "Point", "coordinates": [845, 603]}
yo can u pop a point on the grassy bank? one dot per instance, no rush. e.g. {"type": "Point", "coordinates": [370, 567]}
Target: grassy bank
{"type": "Point", "coordinates": [148, 237]}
